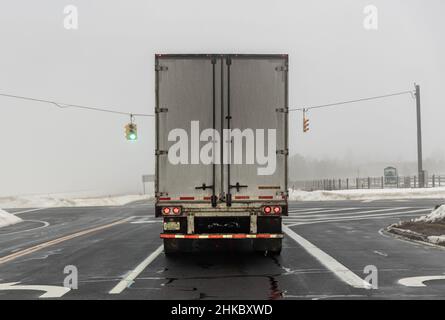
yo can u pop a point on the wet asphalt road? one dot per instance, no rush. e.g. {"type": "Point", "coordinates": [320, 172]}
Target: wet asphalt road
{"type": "Point", "coordinates": [122, 243]}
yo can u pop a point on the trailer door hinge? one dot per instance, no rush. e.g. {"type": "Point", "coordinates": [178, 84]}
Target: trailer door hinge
{"type": "Point", "coordinates": [161, 152]}
{"type": "Point", "coordinates": [282, 110]}
{"type": "Point", "coordinates": [281, 68]}
{"type": "Point", "coordinates": [284, 152]}
{"type": "Point", "coordinates": [160, 194]}
{"type": "Point", "coordinates": [160, 110]}
{"type": "Point", "coordinates": [161, 68]}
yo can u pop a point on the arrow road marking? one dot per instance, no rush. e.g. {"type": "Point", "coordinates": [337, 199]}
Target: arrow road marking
{"type": "Point", "coordinates": [417, 282]}
{"type": "Point", "coordinates": [50, 291]}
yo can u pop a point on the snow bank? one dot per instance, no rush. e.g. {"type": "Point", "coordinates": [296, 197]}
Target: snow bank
{"type": "Point", "coordinates": [44, 201]}
{"type": "Point", "coordinates": [372, 194]}
{"type": "Point", "coordinates": [437, 239]}
{"type": "Point", "coordinates": [435, 216]}
{"type": "Point", "coordinates": [7, 219]}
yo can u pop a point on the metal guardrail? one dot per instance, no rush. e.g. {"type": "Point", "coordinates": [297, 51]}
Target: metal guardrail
{"type": "Point", "coordinates": [432, 181]}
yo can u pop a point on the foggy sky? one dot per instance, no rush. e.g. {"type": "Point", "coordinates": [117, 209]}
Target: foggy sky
{"type": "Point", "coordinates": [108, 62]}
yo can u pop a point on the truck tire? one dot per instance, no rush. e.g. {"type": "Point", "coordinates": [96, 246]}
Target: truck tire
{"type": "Point", "coordinates": [269, 246]}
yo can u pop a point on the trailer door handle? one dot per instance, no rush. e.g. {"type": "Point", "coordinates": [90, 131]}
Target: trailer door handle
{"type": "Point", "coordinates": [203, 187]}
{"type": "Point", "coordinates": [237, 186]}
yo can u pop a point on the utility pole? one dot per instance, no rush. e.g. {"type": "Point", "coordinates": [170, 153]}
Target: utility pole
{"type": "Point", "coordinates": [421, 173]}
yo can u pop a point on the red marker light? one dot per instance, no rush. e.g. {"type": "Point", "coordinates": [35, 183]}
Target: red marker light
{"type": "Point", "coordinates": [166, 210]}
{"type": "Point", "coordinates": [176, 210]}
{"type": "Point", "coordinates": [267, 210]}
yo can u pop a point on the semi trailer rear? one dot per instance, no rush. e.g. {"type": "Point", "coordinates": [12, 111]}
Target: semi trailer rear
{"type": "Point", "coordinates": [221, 149]}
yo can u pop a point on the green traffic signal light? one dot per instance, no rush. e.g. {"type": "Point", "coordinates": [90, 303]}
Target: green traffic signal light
{"type": "Point", "coordinates": [131, 132]}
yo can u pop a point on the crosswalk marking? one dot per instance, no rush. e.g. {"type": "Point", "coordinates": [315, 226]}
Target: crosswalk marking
{"type": "Point", "coordinates": [322, 211]}
{"type": "Point", "coordinates": [354, 213]}
{"type": "Point", "coordinates": [302, 219]}
{"type": "Point", "coordinates": [304, 210]}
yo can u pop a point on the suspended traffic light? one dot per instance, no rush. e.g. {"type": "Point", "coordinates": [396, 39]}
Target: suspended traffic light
{"type": "Point", "coordinates": [131, 132]}
{"type": "Point", "coordinates": [305, 122]}
{"type": "Point", "coordinates": [306, 125]}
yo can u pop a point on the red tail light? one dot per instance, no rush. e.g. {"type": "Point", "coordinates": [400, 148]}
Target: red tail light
{"type": "Point", "coordinates": [277, 210]}
{"type": "Point", "coordinates": [272, 210]}
{"type": "Point", "coordinates": [168, 211]}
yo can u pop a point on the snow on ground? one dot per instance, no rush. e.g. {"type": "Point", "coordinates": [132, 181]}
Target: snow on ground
{"type": "Point", "coordinates": [435, 216]}
{"type": "Point", "coordinates": [371, 194]}
{"type": "Point", "coordinates": [6, 219]}
{"type": "Point", "coordinates": [45, 201]}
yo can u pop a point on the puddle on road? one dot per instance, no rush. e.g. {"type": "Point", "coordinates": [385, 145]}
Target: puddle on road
{"type": "Point", "coordinates": [275, 292]}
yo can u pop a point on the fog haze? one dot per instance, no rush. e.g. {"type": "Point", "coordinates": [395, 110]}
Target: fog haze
{"type": "Point", "coordinates": [109, 62]}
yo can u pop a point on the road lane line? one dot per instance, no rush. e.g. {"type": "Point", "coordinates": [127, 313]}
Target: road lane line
{"type": "Point", "coordinates": [308, 216]}
{"type": "Point", "coordinates": [129, 279]}
{"type": "Point", "coordinates": [47, 244]}
{"type": "Point", "coordinates": [353, 218]}
{"type": "Point", "coordinates": [302, 210]}
{"type": "Point", "coordinates": [30, 210]}
{"type": "Point", "coordinates": [292, 224]}
{"type": "Point", "coordinates": [308, 213]}
{"type": "Point", "coordinates": [346, 215]}
{"type": "Point", "coordinates": [329, 262]}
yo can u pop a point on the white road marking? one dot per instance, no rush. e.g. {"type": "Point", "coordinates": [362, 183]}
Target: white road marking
{"type": "Point", "coordinates": [367, 201]}
{"type": "Point", "coordinates": [129, 279]}
{"type": "Point", "coordinates": [307, 209]}
{"type": "Point", "coordinates": [45, 224]}
{"type": "Point", "coordinates": [340, 214]}
{"type": "Point", "coordinates": [141, 222]}
{"type": "Point", "coordinates": [50, 291]}
{"type": "Point", "coordinates": [50, 243]}
{"type": "Point", "coordinates": [380, 253]}
{"type": "Point", "coordinates": [30, 210]}
{"type": "Point", "coordinates": [329, 262]}
{"type": "Point", "coordinates": [345, 220]}
{"type": "Point", "coordinates": [143, 219]}
{"type": "Point", "coordinates": [297, 221]}
{"type": "Point", "coordinates": [417, 282]}
{"type": "Point", "coordinates": [308, 213]}
{"type": "Point", "coordinates": [347, 213]}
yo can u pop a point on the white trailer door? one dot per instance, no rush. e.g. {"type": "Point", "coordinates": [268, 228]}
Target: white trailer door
{"type": "Point", "coordinates": [188, 90]}
{"type": "Point", "coordinates": [257, 101]}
